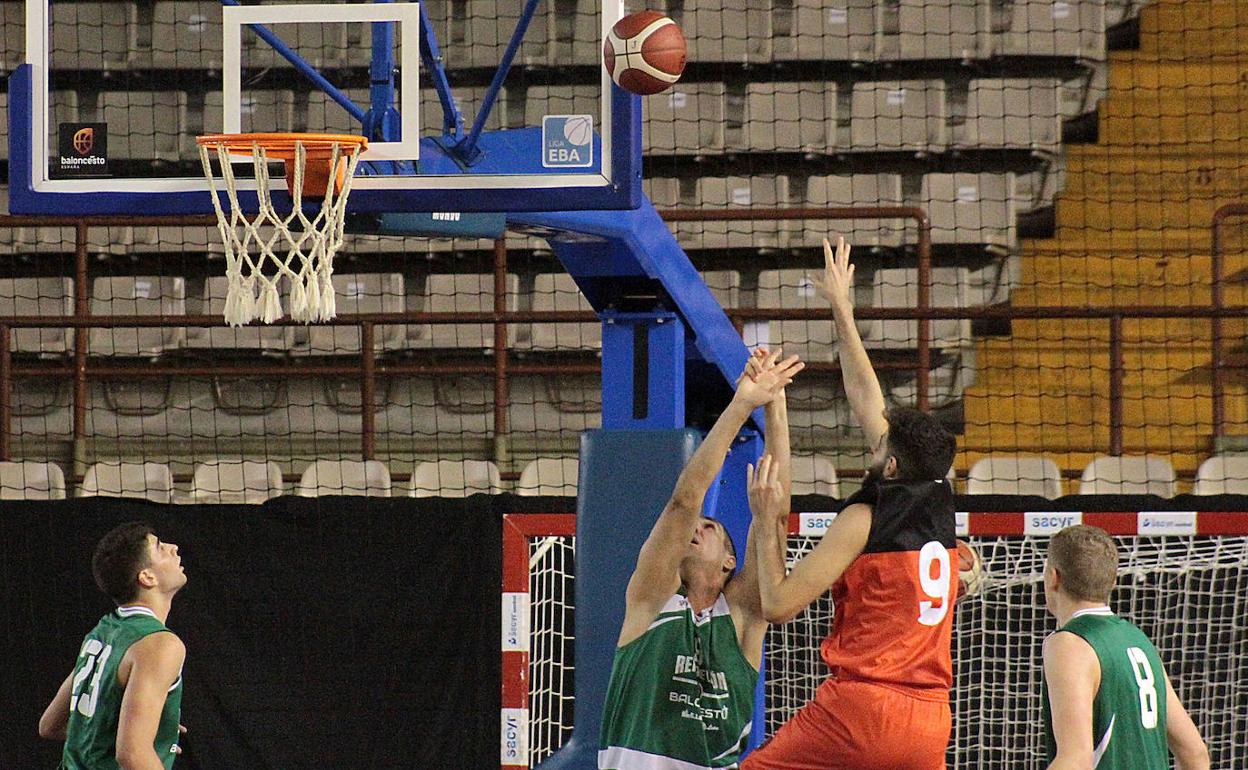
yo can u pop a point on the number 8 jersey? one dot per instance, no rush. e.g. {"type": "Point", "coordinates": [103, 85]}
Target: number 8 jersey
{"type": "Point", "coordinates": [1129, 710]}
{"type": "Point", "coordinates": [95, 700]}
{"type": "Point", "coordinates": [894, 604]}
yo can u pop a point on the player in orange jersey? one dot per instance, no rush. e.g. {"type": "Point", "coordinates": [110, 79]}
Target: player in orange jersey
{"type": "Point", "coordinates": [890, 559]}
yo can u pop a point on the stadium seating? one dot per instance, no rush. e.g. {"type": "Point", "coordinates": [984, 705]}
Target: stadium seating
{"type": "Point", "coordinates": [93, 36]}
{"type": "Point", "coordinates": [790, 117]}
{"type": "Point", "coordinates": [236, 481]}
{"type": "Point", "coordinates": [262, 337]}
{"type": "Point", "coordinates": [12, 36]}
{"type": "Point", "coordinates": [1075, 28]}
{"type": "Point", "coordinates": [149, 481]}
{"type": "Point", "coordinates": [368, 478]}
{"type": "Point", "coordinates": [739, 192]}
{"type": "Point", "coordinates": [814, 475]}
{"type": "Point", "coordinates": [557, 291]}
{"type": "Point", "coordinates": [1128, 475]}
{"type": "Point", "coordinates": [899, 115]}
{"type": "Point", "coordinates": [938, 29]}
{"type": "Point", "coordinates": [786, 289]}
{"type": "Point", "coordinates": [462, 293]}
{"type": "Point", "coordinates": [186, 34]}
{"type": "Point", "coordinates": [258, 110]}
{"type": "Point", "coordinates": [1011, 113]}
{"type": "Point", "coordinates": [898, 288]}
{"type": "Point", "coordinates": [454, 478]}
{"type": "Point", "coordinates": [156, 120]}
{"type": "Point", "coordinates": [356, 293]}
{"type": "Point", "coordinates": [324, 114]}
{"type": "Point", "coordinates": [1015, 475]}
{"type": "Point", "coordinates": [855, 190]}
{"type": "Point", "coordinates": [322, 45]}
{"type": "Point", "coordinates": [140, 295]}
{"type": "Point", "coordinates": [1222, 475]}
{"type": "Point", "coordinates": [31, 481]}
{"type": "Point", "coordinates": [549, 476]}
{"type": "Point", "coordinates": [38, 297]}
{"type": "Point", "coordinates": [839, 30]}
{"type": "Point", "coordinates": [727, 30]}
{"type": "Point", "coordinates": [971, 208]}
{"type": "Point", "coordinates": [688, 119]}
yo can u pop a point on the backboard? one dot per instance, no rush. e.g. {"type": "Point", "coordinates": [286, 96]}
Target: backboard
{"type": "Point", "coordinates": [105, 111]}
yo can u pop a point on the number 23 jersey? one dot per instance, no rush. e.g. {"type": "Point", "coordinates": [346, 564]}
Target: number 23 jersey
{"type": "Point", "coordinates": [95, 704]}
{"type": "Point", "coordinates": [894, 604]}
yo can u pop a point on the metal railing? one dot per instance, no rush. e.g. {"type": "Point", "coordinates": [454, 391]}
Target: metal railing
{"type": "Point", "coordinates": [83, 368]}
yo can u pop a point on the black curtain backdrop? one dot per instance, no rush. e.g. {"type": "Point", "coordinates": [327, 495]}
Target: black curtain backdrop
{"type": "Point", "coordinates": [321, 634]}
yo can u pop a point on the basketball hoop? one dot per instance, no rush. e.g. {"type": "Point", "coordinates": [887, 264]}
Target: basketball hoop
{"type": "Point", "coordinates": [319, 167]}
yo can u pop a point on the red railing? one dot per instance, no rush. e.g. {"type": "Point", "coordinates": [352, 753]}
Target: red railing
{"type": "Point", "coordinates": [82, 368]}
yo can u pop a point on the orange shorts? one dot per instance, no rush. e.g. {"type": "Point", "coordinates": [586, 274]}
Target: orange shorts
{"type": "Point", "coordinates": [859, 726]}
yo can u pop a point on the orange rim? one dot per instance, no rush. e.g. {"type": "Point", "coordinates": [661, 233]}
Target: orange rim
{"type": "Point", "coordinates": [282, 145]}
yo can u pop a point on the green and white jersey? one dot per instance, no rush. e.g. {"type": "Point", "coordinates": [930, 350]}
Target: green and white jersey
{"type": "Point", "coordinates": [1129, 711]}
{"type": "Point", "coordinates": [681, 695]}
{"type": "Point", "coordinates": [95, 700]}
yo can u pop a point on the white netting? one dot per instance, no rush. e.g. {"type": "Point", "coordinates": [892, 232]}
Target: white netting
{"type": "Point", "coordinates": [1189, 594]}
{"type": "Point", "coordinates": [263, 251]}
{"type": "Point", "coordinates": [552, 568]}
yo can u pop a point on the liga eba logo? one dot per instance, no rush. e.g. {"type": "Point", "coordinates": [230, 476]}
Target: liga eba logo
{"type": "Point", "coordinates": [84, 141]}
{"type": "Point", "coordinates": [567, 141]}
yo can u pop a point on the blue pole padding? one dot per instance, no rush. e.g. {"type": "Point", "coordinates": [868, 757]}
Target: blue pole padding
{"type": "Point", "coordinates": [626, 478]}
{"type": "Point", "coordinates": [305, 69]}
{"type": "Point", "coordinates": [467, 149]}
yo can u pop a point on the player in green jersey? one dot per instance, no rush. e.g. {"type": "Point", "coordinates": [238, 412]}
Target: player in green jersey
{"type": "Point", "coordinates": [682, 684]}
{"type": "Point", "coordinates": [1108, 701]}
{"type": "Point", "coordinates": [119, 707]}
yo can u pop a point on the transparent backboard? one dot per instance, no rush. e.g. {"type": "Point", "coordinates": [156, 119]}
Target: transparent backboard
{"type": "Point", "coordinates": [107, 108]}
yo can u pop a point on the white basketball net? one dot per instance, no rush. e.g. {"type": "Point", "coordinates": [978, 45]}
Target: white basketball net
{"type": "Point", "coordinates": [261, 252]}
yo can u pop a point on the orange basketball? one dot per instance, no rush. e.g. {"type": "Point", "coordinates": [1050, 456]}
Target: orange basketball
{"type": "Point", "coordinates": [645, 52]}
{"type": "Point", "coordinates": [970, 570]}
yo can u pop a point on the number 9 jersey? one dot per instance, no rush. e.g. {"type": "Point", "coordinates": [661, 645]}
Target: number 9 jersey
{"type": "Point", "coordinates": [894, 604]}
{"type": "Point", "coordinates": [95, 700]}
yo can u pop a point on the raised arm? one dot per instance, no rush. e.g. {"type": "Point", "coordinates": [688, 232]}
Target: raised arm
{"type": "Point", "coordinates": [743, 591]}
{"type": "Point", "coordinates": [155, 665]}
{"type": "Point", "coordinates": [862, 387]}
{"type": "Point", "coordinates": [1190, 752]}
{"type": "Point", "coordinates": [1072, 675]}
{"type": "Point", "coordinates": [745, 587]}
{"type": "Point", "coordinates": [656, 576]}
{"type": "Point", "coordinates": [782, 595]}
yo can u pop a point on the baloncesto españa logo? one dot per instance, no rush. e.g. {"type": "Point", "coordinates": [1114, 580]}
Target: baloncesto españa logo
{"type": "Point", "coordinates": [82, 150]}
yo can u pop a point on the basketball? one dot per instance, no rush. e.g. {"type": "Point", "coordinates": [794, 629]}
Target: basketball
{"type": "Point", "coordinates": [645, 52]}
{"type": "Point", "coordinates": [970, 570]}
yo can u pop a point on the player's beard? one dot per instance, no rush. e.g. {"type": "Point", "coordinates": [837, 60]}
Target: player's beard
{"type": "Point", "coordinates": [875, 473]}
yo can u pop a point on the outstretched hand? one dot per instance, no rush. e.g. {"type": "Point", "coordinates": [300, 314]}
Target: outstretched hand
{"type": "Point", "coordinates": [766, 376]}
{"type": "Point", "coordinates": [837, 285]}
{"type": "Point", "coordinates": [765, 490]}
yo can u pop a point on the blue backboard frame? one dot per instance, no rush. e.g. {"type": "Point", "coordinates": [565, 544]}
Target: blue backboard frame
{"type": "Point", "coordinates": [497, 182]}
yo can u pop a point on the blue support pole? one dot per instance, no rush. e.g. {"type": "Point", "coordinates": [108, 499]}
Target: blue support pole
{"type": "Point", "coordinates": [645, 356]}
{"type": "Point", "coordinates": [431, 55]}
{"type": "Point", "coordinates": [467, 149]}
{"type": "Point", "coordinates": [305, 69]}
{"type": "Point", "coordinates": [643, 371]}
